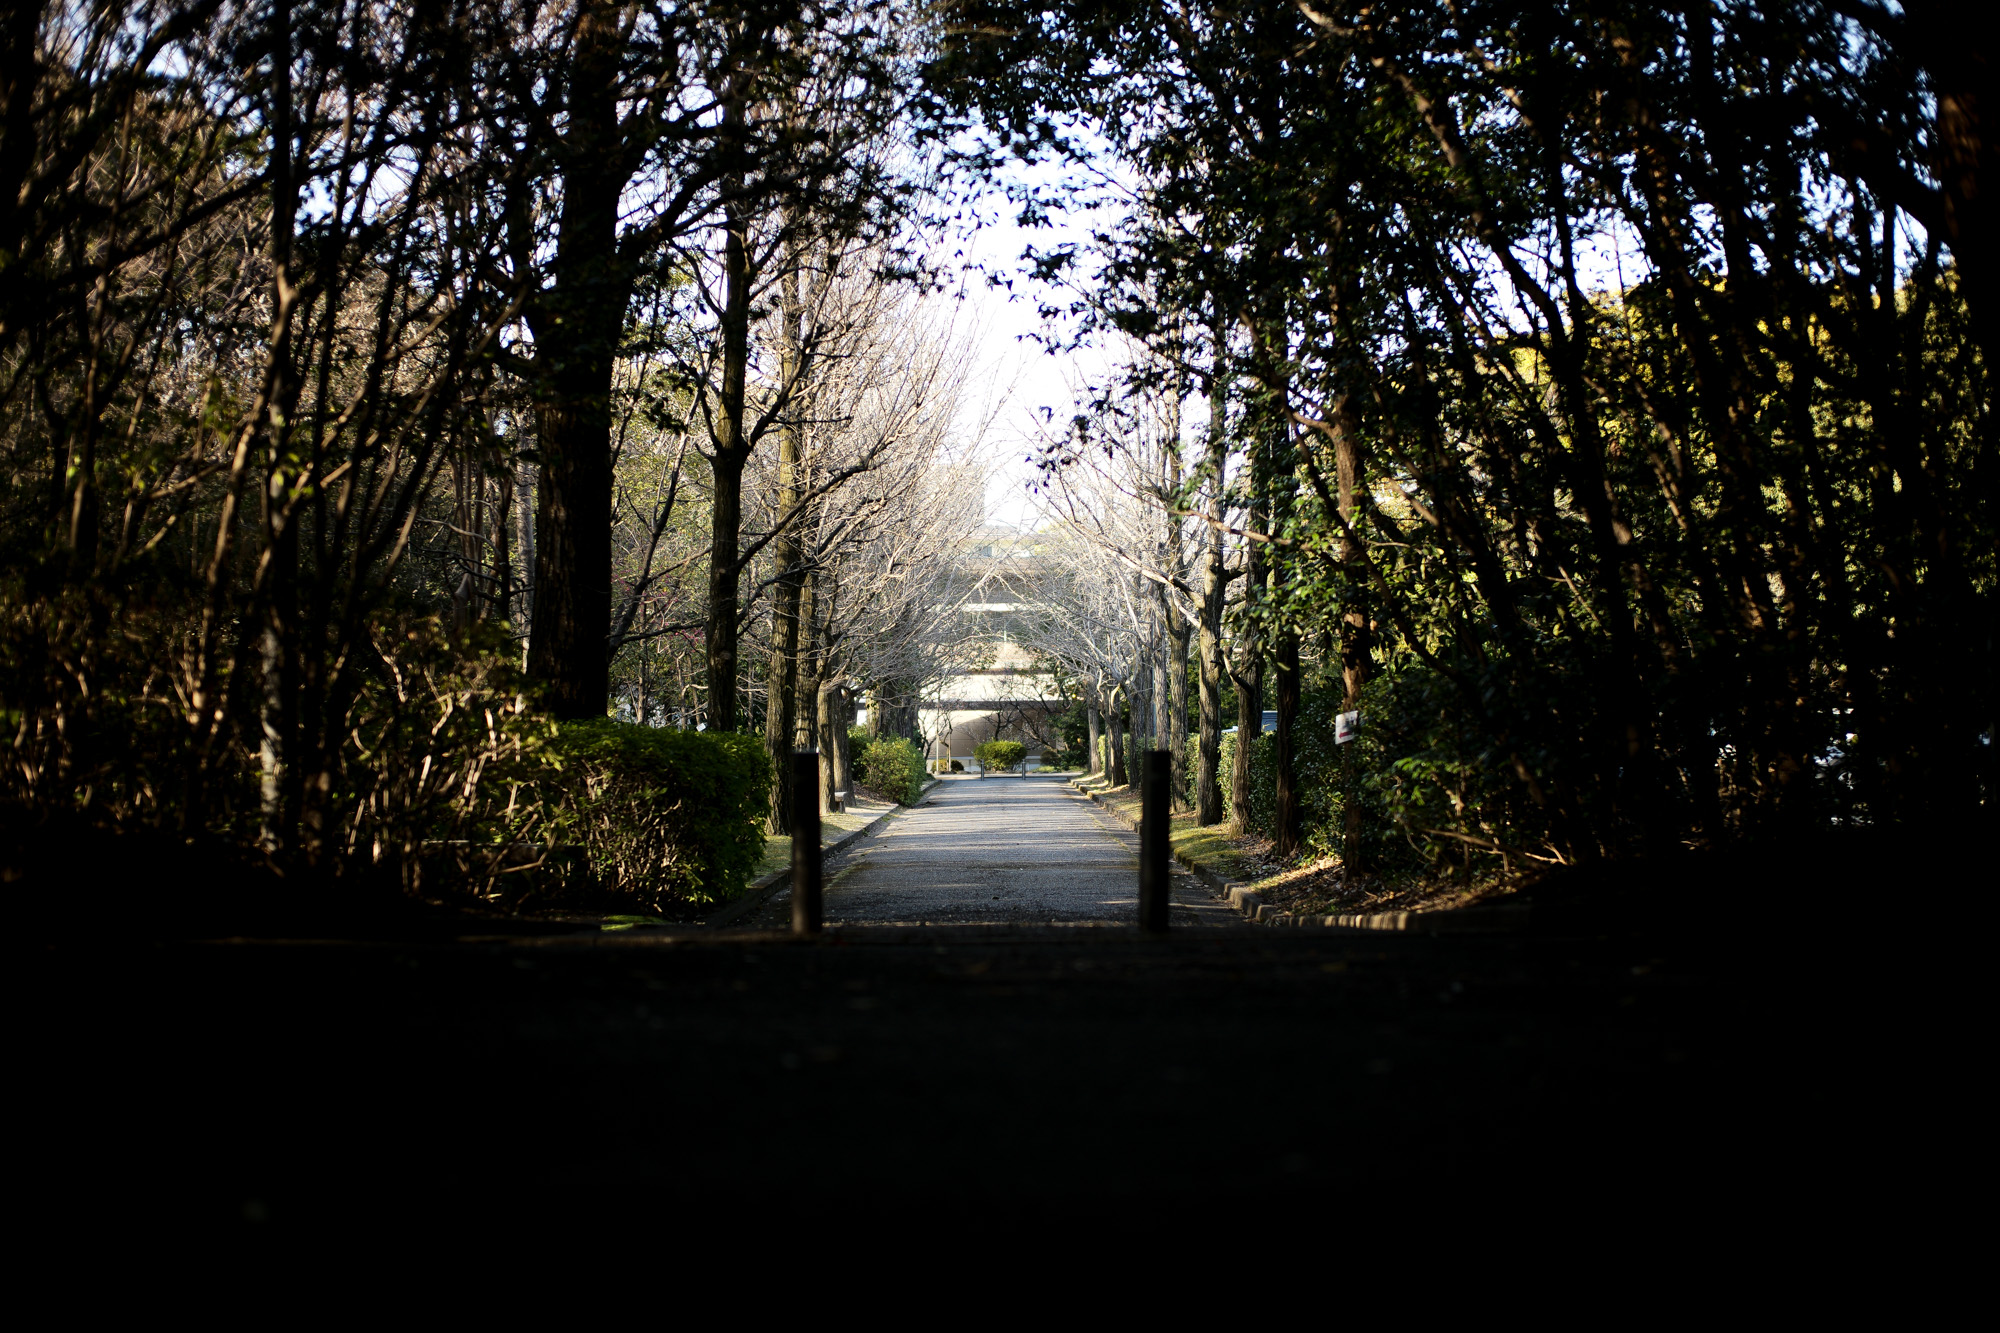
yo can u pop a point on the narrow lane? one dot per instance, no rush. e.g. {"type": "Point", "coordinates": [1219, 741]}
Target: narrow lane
{"type": "Point", "coordinates": [1003, 850]}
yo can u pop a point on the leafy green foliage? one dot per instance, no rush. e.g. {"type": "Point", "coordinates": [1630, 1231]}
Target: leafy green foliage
{"type": "Point", "coordinates": [894, 767]}
{"type": "Point", "coordinates": [665, 818]}
{"type": "Point", "coordinates": [1677, 533]}
{"type": "Point", "coordinates": [1060, 759]}
{"type": "Point", "coordinates": [1000, 756]}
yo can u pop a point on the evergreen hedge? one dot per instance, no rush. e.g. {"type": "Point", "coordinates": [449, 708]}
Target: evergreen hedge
{"type": "Point", "coordinates": [999, 756]}
{"type": "Point", "coordinates": [894, 768]}
{"type": "Point", "coordinates": [664, 818]}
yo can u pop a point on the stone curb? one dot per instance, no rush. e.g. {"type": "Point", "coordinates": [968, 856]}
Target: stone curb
{"type": "Point", "coordinates": [762, 888]}
{"type": "Point", "coordinates": [1465, 920]}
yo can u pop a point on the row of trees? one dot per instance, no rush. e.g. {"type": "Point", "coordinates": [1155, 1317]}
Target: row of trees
{"type": "Point", "coordinates": [343, 344]}
{"type": "Point", "coordinates": [1597, 397]}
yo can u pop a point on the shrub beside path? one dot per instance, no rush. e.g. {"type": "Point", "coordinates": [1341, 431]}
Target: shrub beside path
{"type": "Point", "coordinates": [995, 851]}
{"type": "Point", "coordinates": [859, 813]}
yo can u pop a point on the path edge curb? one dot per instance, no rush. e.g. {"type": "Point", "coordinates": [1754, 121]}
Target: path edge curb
{"type": "Point", "coordinates": [1498, 919]}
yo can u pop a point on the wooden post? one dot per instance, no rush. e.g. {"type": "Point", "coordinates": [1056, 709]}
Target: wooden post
{"type": "Point", "coordinates": [1154, 866]}
{"type": "Point", "coordinates": [807, 912]}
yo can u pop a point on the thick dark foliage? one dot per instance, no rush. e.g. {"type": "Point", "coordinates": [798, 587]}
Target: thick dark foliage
{"type": "Point", "coordinates": [666, 819]}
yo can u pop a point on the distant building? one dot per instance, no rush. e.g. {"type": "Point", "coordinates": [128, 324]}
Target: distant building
{"type": "Point", "coordinates": [1006, 697]}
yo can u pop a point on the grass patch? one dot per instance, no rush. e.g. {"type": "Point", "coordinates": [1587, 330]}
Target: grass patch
{"type": "Point", "coordinates": [859, 813]}
{"type": "Point", "coordinates": [1214, 848]}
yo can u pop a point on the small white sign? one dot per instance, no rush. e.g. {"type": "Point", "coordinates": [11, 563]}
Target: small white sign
{"type": "Point", "coordinates": [1345, 725]}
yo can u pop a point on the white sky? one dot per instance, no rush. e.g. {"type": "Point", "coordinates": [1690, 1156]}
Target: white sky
{"type": "Point", "coordinates": [1016, 377]}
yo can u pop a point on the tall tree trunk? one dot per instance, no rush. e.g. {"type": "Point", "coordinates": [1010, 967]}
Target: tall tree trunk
{"type": "Point", "coordinates": [1249, 672]}
{"type": "Point", "coordinates": [527, 486]}
{"type": "Point", "coordinates": [1178, 631]}
{"type": "Point", "coordinates": [283, 766]}
{"type": "Point", "coordinates": [503, 550]}
{"type": "Point", "coordinates": [843, 757]}
{"type": "Point", "coordinates": [1249, 680]}
{"type": "Point", "coordinates": [732, 451]}
{"type": "Point", "coordinates": [1278, 490]}
{"type": "Point", "coordinates": [576, 349]}
{"type": "Point", "coordinates": [1142, 700]}
{"type": "Point", "coordinates": [832, 740]}
{"type": "Point", "coordinates": [1356, 637]}
{"type": "Point", "coordinates": [1177, 705]}
{"type": "Point", "coordinates": [1289, 821]}
{"type": "Point", "coordinates": [781, 713]}
{"type": "Point", "coordinates": [1214, 590]}
{"type": "Point", "coordinates": [1115, 724]}
{"type": "Point", "coordinates": [805, 732]}
{"type": "Point", "coordinates": [1095, 721]}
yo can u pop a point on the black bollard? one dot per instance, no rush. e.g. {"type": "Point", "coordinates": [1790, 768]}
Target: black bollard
{"type": "Point", "coordinates": [1154, 866]}
{"type": "Point", "coordinates": [807, 909]}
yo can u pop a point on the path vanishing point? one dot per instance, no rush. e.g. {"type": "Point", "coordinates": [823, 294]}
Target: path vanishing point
{"type": "Point", "coordinates": [1003, 850]}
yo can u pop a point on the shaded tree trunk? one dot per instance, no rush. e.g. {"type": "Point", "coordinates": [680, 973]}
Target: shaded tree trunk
{"type": "Point", "coordinates": [1095, 721]}
{"type": "Point", "coordinates": [1115, 727]}
{"type": "Point", "coordinates": [843, 757]}
{"type": "Point", "coordinates": [832, 728]}
{"type": "Point", "coordinates": [1141, 695]}
{"type": "Point", "coordinates": [283, 764]}
{"type": "Point", "coordinates": [576, 345]}
{"type": "Point", "coordinates": [1214, 589]}
{"type": "Point", "coordinates": [1288, 818]}
{"type": "Point", "coordinates": [503, 549]}
{"type": "Point", "coordinates": [1249, 680]}
{"type": "Point", "coordinates": [527, 485]}
{"type": "Point", "coordinates": [806, 724]}
{"type": "Point", "coordinates": [1356, 635]}
{"type": "Point", "coordinates": [1177, 706]}
{"type": "Point", "coordinates": [781, 713]}
{"type": "Point", "coordinates": [732, 451]}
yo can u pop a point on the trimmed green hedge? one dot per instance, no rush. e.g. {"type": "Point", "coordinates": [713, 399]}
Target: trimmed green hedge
{"type": "Point", "coordinates": [999, 756]}
{"type": "Point", "coordinates": [664, 817]}
{"type": "Point", "coordinates": [893, 767]}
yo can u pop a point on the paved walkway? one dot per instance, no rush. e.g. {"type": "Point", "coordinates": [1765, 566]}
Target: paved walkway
{"type": "Point", "coordinates": [1003, 850]}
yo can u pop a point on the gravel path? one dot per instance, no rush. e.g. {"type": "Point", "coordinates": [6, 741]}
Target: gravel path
{"type": "Point", "coordinates": [999, 851]}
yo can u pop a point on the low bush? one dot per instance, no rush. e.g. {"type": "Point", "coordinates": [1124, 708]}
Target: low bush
{"type": "Point", "coordinates": [894, 768]}
{"type": "Point", "coordinates": [999, 756]}
{"type": "Point", "coordinates": [1058, 759]}
{"type": "Point", "coordinates": [957, 767]}
{"type": "Point", "coordinates": [664, 818]}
